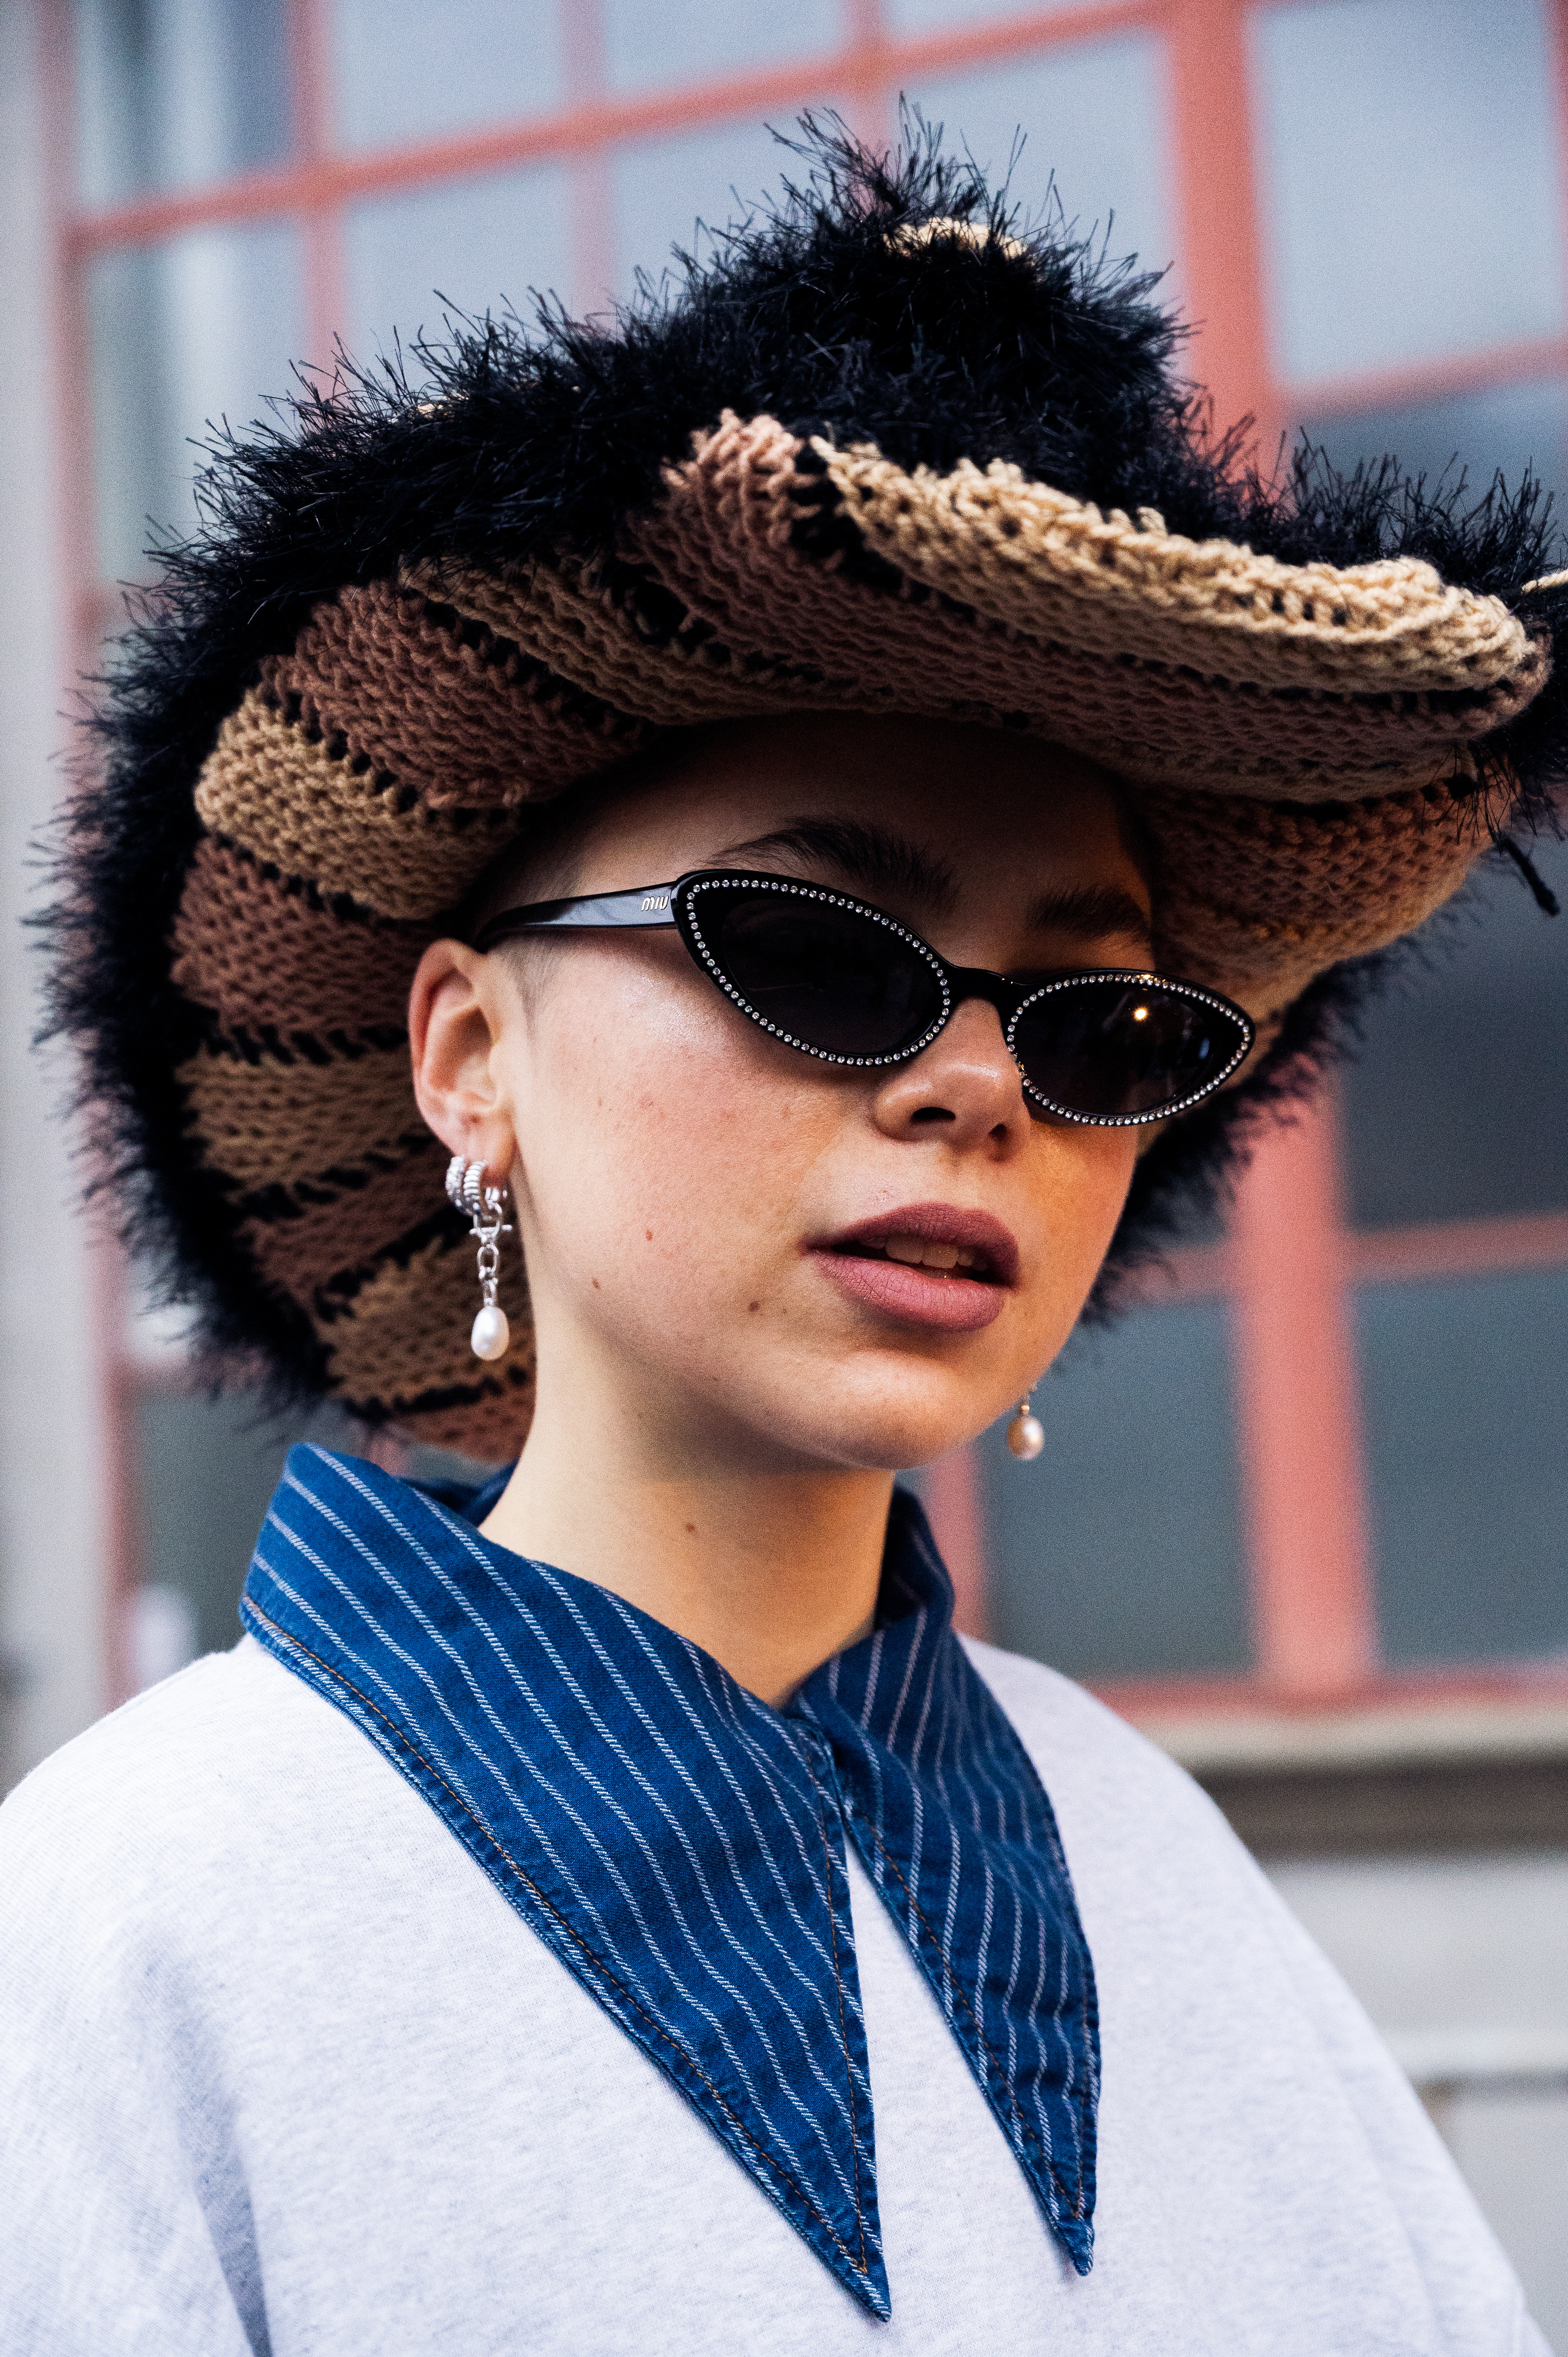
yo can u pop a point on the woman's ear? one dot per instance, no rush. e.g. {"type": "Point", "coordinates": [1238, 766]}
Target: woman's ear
{"type": "Point", "coordinates": [457, 1007]}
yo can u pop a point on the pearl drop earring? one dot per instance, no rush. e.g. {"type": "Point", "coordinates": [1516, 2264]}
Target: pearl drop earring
{"type": "Point", "coordinates": [1026, 1434]}
{"type": "Point", "coordinates": [486, 1207]}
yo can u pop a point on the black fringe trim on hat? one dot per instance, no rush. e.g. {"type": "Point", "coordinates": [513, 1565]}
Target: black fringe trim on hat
{"type": "Point", "coordinates": [504, 442]}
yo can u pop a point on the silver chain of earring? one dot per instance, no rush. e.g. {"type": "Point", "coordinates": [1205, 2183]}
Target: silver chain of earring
{"type": "Point", "coordinates": [486, 1207]}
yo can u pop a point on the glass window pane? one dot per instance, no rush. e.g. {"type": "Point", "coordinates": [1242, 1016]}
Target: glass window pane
{"type": "Point", "coordinates": [1458, 1107]}
{"type": "Point", "coordinates": [469, 246]}
{"type": "Point", "coordinates": [413, 68]}
{"type": "Point", "coordinates": [200, 330]}
{"type": "Point", "coordinates": [205, 1471]}
{"type": "Point", "coordinates": [1093, 116]}
{"type": "Point", "coordinates": [697, 40]}
{"type": "Point", "coordinates": [1509, 427]}
{"type": "Point", "coordinates": [1458, 1103]}
{"type": "Point", "coordinates": [1465, 1395]}
{"type": "Point", "coordinates": [1118, 1552]}
{"type": "Point", "coordinates": [174, 91]}
{"type": "Point", "coordinates": [664, 188]}
{"type": "Point", "coordinates": [1408, 154]}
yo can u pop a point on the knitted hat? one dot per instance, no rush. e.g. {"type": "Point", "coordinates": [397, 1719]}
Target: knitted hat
{"type": "Point", "coordinates": [888, 452]}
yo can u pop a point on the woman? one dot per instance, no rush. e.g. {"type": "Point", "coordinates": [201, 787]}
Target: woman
{"type": "Point", "coordinates": [858, 804]}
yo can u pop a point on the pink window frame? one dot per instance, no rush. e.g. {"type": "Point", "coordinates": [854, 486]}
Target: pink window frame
{"type": "Point", "coordinates": [1291, 1264]}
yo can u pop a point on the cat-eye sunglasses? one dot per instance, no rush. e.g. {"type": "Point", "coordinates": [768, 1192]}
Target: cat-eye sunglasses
{"type": "Point", "coordinates": [838, 979]}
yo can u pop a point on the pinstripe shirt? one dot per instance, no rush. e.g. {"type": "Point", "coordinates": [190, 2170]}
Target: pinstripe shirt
{"type": "Point", "coordinates": [681, 1847]}
{"type": "Point", "coordinates": [281, 2074]}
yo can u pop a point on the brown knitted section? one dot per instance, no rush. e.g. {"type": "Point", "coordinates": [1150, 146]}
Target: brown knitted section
{"type": "Point", "coordinates": [1283, 727]}
{"type": "Point", "coordinates": [463, 718]}
{"type": "Point", "coordinates": [582, 634]}
{"type": "Point", "coordinates": [319, 1230]}
{"type": "Point", "coordinates": [1255, 899]}
{"type": "Point", "coordinates": [489, 1422]}
{"type": "Point", "coordinates": [270, 1122]}
{"type": "Point", "coordinates": [258, 950]}
{"type": "Point", "coordinates": [1057, 567]}
{"type": "Point", "coordinates": [721, 540]}
{"type": "Point", "coordinates": [403, 1336]}
{"type": "Point", "coordinates": [289, 801]}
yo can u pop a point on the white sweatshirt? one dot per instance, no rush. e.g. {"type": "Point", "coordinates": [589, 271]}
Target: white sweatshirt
{"type": "Point", "coordinates": [282, 2071]}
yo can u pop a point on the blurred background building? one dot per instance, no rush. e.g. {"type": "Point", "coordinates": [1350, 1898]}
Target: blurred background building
{"type": "Point", "coordinates": [1304, 1514]}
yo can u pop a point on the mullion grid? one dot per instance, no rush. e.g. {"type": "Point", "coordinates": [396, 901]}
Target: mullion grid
{"type": "Point", "coordinates": [866, 76]}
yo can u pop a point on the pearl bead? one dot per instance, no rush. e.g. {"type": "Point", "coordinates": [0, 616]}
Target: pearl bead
{"type": "Point", "coordinates": [1025, 1436]}
{"type": "Point", "coordinates": [491, 1334]}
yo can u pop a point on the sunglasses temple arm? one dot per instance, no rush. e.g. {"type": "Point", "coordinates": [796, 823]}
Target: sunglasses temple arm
{"type": "Point", "coordinates": [639, 910]}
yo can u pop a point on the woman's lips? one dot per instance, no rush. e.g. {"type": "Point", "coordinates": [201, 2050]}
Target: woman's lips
{"type": "Point", "coordinates": [915, 1295]}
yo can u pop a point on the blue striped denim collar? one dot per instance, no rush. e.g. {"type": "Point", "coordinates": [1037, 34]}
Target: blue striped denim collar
{"type": "Point", "coordinates": [681, 1845]}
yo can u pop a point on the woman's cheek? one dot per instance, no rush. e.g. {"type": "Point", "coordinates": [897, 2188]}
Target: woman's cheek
{"type": "Point", "coordinates": [1083, 1190]}
{"type": "Point", "coordinates": [653, 1150]}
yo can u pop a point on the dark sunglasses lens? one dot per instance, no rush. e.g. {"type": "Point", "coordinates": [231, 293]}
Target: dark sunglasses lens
{"type": "Point", "coordinates": [1111, 1049]}
{"type": "Point", "coordinates": [829, 977]}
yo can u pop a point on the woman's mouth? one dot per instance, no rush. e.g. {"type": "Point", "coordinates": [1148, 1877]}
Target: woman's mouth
{"type": "Point", "coordinates": [920, 1252]}
{"type": "Point", "coordinates": [926, 1264]}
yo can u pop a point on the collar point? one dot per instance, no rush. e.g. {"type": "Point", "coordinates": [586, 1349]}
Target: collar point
{"type": "Point", "coordinates": [1077, 2237]}
{"type": "Point", "coordinates": [875, 2294]}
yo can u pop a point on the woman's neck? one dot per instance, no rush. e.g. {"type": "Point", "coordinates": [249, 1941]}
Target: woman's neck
{"type": "Point", "coordinates": [771, 1570]}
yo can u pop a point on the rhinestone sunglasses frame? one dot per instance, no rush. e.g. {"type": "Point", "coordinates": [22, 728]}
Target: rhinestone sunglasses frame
{"type": "Point", "coordinates": [651, 907]}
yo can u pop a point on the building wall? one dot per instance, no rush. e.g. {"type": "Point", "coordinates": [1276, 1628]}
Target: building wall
{"type": "Point", "coordinates": [1462, 1962]}
{"type": "Point", "coordinates": [57, 1543]}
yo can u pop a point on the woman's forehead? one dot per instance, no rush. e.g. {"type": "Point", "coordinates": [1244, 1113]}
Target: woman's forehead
{"type": "Point", "coordinates": [915, 810]}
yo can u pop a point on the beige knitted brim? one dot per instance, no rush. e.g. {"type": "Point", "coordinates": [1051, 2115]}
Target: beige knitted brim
{"type": "Point", "coordinates": [1293, 736]}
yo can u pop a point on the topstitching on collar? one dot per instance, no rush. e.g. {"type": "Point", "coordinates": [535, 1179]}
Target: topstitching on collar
{"type": "Point", "coordinates": [681, 1845]}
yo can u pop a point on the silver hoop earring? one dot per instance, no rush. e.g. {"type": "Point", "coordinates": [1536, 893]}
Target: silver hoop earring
{"type": "Point", "coordinates": [486, 1207]}
{"type": "Point", "coordinates": [1026, 1434]}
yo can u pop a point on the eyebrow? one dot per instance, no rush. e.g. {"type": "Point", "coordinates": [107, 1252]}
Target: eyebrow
{"type": "Point", "coordinates": [873, 857]}
{"type": "Point", "coordinates": [1091, 911]}
{"type": "Point", "coordinates": [877, 859]}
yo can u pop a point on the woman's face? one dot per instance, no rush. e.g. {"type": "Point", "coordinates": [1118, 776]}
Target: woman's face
{"type": "Point", "coordinates": [756, 1251]}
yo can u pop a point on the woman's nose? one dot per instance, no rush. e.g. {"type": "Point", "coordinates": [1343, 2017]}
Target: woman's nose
{"type": "Point", "coordinates": [964, 1088]}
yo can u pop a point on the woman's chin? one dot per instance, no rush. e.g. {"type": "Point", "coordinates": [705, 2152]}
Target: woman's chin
{"type": "Point", "coordinates": [860, 1437]}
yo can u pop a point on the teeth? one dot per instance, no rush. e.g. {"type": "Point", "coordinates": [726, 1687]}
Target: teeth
{"type": "Point", "coordinates": [920, 1252]}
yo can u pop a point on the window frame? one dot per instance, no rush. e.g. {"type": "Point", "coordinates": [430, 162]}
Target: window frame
{"type": "Point", "coordinates": [1302, 1466]}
